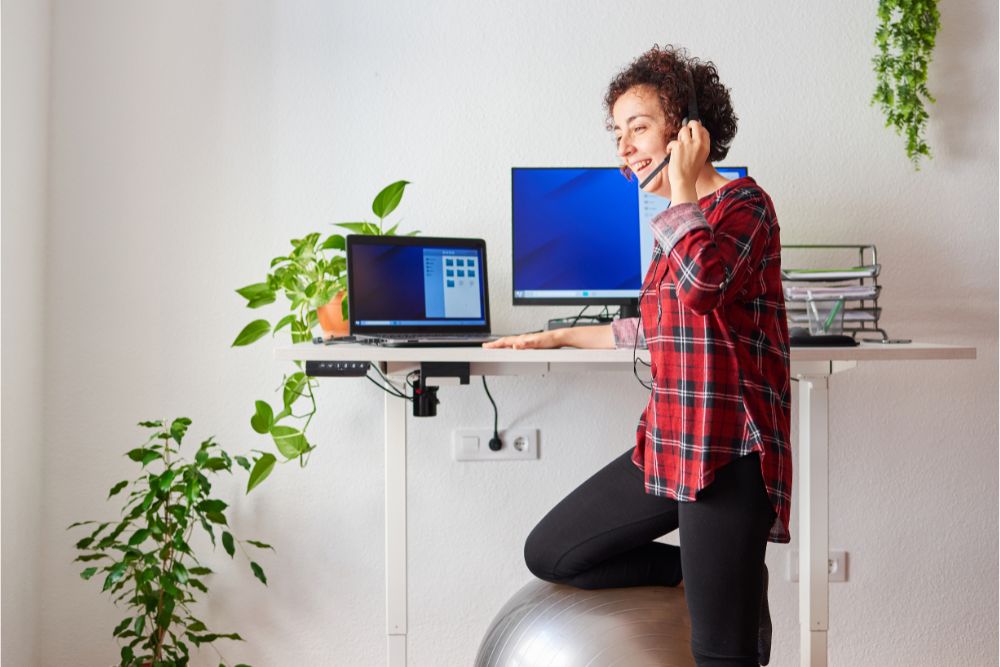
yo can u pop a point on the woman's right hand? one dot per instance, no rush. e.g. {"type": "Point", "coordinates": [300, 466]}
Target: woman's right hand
{"type": "Point", "coordinates": [530, 341]}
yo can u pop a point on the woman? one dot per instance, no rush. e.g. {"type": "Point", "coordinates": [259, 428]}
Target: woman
{"type": "Point", "coordinates": [712, 454]}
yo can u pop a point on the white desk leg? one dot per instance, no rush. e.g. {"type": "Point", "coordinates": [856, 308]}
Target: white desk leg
{"type": "Point", "coordinates": [395, 529]}
{"type": "Point", "coordinates": [814, 584]}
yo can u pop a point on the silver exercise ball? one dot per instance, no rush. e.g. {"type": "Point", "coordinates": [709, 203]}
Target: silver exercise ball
{"type": "Point", "coordinates": [550, 625]}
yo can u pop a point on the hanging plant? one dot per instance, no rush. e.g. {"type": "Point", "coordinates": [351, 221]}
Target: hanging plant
{"type": "Point", "coordinates": [905, 39]}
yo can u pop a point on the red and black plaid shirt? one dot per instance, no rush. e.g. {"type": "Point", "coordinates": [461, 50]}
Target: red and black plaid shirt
{"type": "Point", "coordinates": [713, 318]}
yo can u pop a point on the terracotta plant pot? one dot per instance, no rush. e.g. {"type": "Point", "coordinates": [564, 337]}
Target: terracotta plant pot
{"type": "Point", "coordinates": [331, 321]}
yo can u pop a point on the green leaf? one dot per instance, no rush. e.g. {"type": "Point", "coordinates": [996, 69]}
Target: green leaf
{"type": "Point", "coordinates": [199, 571]}
{"type": "Point", "coordinates": [178, 428]}
{"type": "Point", "coordinates": [294, 388]}
{"type": "Point", "coordinates": [261, 469]}
{"type": "Point", "coordinates": [252, 332]}
{"type": "Point", "coordinates": [138, 454]}
{"type": "Point", "coordinates": [242, 460]}
{"type": "Point", "coordinates": [216, 517]}
{"type": "Point", "coordinates": [116, 574]}
{"type": "Point", "coordinates": [212, 505]}
{"type": "Point", "coordinates": [140, 624]}
{"type": "Point", "coordinates": [118, 487]}
{"type": "Point", "coordinates": [88, 573]}
{"type": "Point", "coordinates": [180, 572]}
{"type": "Point", "coordinates": [289, 440]}
{"type": "Point", "coordinates": [121, 626]}
{"type": "Point", "coordinates": [152, 424]}
{"type": "Point", "coordinates": [89, 557]}
{"type": "Point", "coordinates": [334, 242]}
{"type": "Point", "coordinates": [192, 490]}
{"type": "Point", "coordinates": [166, 479]}
{"type": "Point", "coordinates": [258, 572]}
{"type": "Point", "coordinates": [256, 291]}
{"type": "Point", "coordinates": [263, 418]}
{"type": "Point", "coordinates": [387, 200]}
{"type": "Point", "coordinates": [227, 543]}
{"type": "Point", "coordinates": [366, 228]}
{"type": "Point", "coordinates": [138, 537]}
{"type": "Point", "coordinates": [150, 457]}
{"type": "Point", "coordinates": [263, 301]}
{"type": "Point", "coordinates": [217, 463]}
{"type": "Point", "coordinates": [283, 322]}
{"type": "Point", "coordinates": [260, 545]}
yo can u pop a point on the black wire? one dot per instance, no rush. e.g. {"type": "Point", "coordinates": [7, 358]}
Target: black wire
{"type": "Point", "coordinates": [635, 342]}
{"type": "Point", "coordinates": [496, 415]}
{"type": "Point", "coordinates": [390, 388]}
{"type": "Point", "coordinates": [578, 315]}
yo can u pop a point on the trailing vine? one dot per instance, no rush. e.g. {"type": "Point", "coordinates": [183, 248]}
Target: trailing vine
{"type": "Point", "coordinates": [905, 39]}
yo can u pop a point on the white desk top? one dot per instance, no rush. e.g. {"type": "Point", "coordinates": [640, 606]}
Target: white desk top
{"type": "Point", "coordinates": [354, 352]}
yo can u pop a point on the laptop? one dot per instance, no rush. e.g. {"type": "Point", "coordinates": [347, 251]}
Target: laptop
{"type": "Point", "coordinates": [407, 291]}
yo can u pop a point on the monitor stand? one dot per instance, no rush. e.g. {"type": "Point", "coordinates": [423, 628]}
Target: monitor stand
{"type": "Point", "coordinates": [630, 309]}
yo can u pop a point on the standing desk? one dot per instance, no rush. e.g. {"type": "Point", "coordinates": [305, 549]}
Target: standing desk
{"type": "Point", "coordinates": [810, 367]}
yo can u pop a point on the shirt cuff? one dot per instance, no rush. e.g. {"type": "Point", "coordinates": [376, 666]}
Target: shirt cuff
{"type": "Point", "coordinates": [670, 226]}
{"type": "Point", "coordinates": [625, 332]}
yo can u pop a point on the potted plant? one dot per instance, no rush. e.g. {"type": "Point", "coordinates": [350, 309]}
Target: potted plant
{"type": "Point", "coordinates": [313, 279]}
{"type": "Point", "coordinates": [146, 557]}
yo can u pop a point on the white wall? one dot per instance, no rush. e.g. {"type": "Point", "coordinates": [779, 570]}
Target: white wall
{"type": "Point", "coordinates": [25, 75]}
{"type": "Point", "coordinates": [190, 140]}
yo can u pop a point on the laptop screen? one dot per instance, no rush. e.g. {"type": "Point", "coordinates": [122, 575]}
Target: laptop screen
{"type": "Point", "coordinates": [408, 284]}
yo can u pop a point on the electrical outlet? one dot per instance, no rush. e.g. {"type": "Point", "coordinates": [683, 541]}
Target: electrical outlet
{"type": "Point", "coordinates": [836, 566]}
{"type": "Point", "coordinates": [473, 444]}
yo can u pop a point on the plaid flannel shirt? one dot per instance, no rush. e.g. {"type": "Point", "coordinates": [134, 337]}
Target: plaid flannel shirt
{"type": "Point", "coordinates": [713, 318]}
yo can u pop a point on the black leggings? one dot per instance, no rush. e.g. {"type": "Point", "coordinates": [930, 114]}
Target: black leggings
{"type": "Point", "coordinates": [601, 536]}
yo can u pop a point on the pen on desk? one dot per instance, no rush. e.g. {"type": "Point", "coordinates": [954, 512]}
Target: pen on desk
{"type": "Point", "coordinates": [833, 313]}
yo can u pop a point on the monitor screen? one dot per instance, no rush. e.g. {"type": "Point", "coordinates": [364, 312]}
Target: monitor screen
{"type": "Point", "coordinates": [581, 235]}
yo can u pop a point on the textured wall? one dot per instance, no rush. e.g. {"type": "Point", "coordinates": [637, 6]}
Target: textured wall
{"type": "Point", "coordinates": [26, 27]}
{"type": "Point", "coordinates": [190, 140]}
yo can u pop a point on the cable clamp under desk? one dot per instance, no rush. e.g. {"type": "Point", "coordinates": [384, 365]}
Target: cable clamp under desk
{"type": "Point", "coordinates": [445, 369]}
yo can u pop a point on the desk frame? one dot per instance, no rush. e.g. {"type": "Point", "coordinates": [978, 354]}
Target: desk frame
{"type": "Point", "coordinates": [811, 368]}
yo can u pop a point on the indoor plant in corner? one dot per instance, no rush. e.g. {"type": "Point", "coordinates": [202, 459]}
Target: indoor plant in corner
{"type": "Point", "coordinates": [313, 278]}
{"type": "Point", "coordinates": [146, 558]}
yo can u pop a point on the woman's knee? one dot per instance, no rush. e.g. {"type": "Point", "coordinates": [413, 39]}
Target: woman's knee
{"type": "Point", "coordinates": [540, 557]}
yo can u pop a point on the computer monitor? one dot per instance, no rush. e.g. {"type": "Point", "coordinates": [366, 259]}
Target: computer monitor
{"type": "Point", "coordinates": [581, 235]}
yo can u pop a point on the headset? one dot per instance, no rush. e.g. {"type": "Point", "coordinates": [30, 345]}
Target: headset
{"type": "Point", "coordinates": [692, 115]}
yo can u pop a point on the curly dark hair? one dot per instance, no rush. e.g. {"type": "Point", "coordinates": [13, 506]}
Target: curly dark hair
{"type": "Point", "coordinates": [664, 71]}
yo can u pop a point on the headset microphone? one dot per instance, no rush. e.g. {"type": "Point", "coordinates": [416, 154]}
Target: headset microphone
{"type": "Point", "coordinates": [692, 115]}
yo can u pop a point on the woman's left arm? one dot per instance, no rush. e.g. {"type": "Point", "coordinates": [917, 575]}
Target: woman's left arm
{"type": "Point", "coordinates": [711, 266]}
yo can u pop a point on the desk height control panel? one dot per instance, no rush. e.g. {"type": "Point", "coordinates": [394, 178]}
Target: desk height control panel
{"type": "Point", "coordinates": [340, 369]}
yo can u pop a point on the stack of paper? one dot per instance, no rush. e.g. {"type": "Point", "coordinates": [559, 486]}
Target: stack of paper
{"type": "Point", "coordinates": [847, 292]}
{"type": "Point", "coordinates": [831, 274]}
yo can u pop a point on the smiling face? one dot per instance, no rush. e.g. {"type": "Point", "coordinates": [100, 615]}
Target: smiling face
{"type": "Point", "coordinates": [641, 133]}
